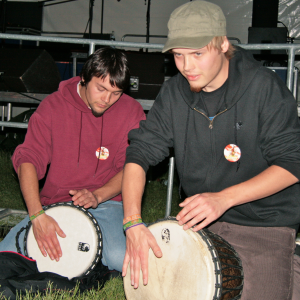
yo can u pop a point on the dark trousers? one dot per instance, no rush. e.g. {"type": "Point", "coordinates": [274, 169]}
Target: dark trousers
{"type": "Point", "coordinates": [271, 270]}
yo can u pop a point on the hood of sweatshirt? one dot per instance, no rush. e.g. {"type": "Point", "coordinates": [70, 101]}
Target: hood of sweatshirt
{"type": "Point", "coordinates": [66, 88]}
{"type": "Point", "coordinates": [237, 82]}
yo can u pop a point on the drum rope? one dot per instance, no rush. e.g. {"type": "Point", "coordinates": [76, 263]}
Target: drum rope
{"type": "Point", "coordinates": [231, 266]}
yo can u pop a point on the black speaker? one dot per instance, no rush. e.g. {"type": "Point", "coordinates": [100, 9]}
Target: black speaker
{"type": "Point", "coordinates": [147, 74]}
{"type": "Point", "coordinates": [277, 35]}
{"type": "Point", "coordinates": [21, 14]}
{"type": "Point", "coordinates": [265, 13]}
{"type": "Point", "coordinates": [28, 70]}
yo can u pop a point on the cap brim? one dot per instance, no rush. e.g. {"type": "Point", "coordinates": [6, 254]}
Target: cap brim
{"type": "Point", "coordinates": [187, 42]}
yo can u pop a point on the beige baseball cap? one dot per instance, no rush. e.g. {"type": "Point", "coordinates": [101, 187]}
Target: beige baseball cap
{"type": "Point", "coordinates": [194, 24]}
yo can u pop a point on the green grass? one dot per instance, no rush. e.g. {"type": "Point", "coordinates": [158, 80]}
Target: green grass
{"type": "Point", "coordinates": [153, 208]}
{"type": "Point", "coordinates": [10, 193]}
{"type": "Point", "coordinates": [113, 290]}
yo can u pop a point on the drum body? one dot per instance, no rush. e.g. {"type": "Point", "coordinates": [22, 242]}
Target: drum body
{"type": "Point", "coordinates": [195, 265]}
{"type": "Point", "coordinates": [81, 248]}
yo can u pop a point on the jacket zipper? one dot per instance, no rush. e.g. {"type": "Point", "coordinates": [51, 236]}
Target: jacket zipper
{"type": "Point", "coordinates": [213, 150]}
{"type": "Point", "coordinates": [210, 121]}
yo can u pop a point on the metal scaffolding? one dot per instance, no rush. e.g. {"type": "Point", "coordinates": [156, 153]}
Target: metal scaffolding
{"type": "Point", "coordinates": [14, 98]}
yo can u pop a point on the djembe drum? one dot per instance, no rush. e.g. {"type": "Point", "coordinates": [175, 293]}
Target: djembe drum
{"type": "Point", "coordinates": [81, 248]}
{"type": "Point", "coordinates": [195, 265]}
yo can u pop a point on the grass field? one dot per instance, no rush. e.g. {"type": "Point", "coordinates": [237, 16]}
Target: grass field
{"type": "Point", "coordinates": [10, 193]}
{"type": "Point", "coordinates": [153, 208]}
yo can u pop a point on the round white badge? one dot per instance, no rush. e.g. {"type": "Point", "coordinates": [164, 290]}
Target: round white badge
{"type": "Point", "coordinates": [103, 154]}
{"type": "Point", "coordinates": [232, 153]}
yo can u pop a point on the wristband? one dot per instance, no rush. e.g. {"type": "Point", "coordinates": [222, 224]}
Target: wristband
{"type": "Point", "coordinates": [134, 226]}
{"type": "Point", "coordinates": [131, 218]}
{"type": "Point", "coordinates": [36, 215]}
{"type": "Point", "coordinates": [132, 223]}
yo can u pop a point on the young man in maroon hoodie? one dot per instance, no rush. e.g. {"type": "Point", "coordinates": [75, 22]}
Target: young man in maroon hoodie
{"type": "Point", "coordinates": [80, 132]}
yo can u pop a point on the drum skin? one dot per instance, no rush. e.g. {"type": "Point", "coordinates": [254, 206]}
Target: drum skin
{"type": "Point", "coordinates": [81, 248]}
{"type": "Point", "coordinates": [189, 268]}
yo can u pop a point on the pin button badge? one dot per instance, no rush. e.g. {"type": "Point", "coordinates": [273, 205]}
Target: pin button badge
{"type": "Point", "coordinates": [102, 154]}
{"type": "Point", "coordinates": [232, 153]}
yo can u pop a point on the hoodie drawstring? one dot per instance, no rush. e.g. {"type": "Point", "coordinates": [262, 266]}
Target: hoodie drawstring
{"type": "Point", "coordinates": [236, 127]}
{"type": "Point", "coordinates": [100, 146]}
{"type": "Point", "coordinates": [79, 146]}
{"type": "Point", "coordinates": [79, 139]}
{"type": "Point", "coordinates": [184, 150]}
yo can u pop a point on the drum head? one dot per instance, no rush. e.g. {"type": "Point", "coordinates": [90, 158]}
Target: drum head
{"type": "Point", "coordinates": [186, 270]}
{"type": "Point", "coordinates": [81, 248]}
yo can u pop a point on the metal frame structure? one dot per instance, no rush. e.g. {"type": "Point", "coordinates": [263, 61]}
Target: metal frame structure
{"type": "Point", "coordinates": [12, 97]}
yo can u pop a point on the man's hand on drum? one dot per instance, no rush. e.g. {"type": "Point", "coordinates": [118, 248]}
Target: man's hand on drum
{"type": "Point", "coordinates": [138, 241]}
{"type": "Point", "coordinates": [45, 228]}
{"type": "Point", "coordinates": [84, 198]}
{"type": "Point", "coordinates": [203, 209]}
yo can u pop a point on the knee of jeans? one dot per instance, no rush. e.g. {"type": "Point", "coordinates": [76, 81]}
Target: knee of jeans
{"type": "Point", "coordinates": [9, 243]}
{"type": "Point", "coordinates": [114, 259]}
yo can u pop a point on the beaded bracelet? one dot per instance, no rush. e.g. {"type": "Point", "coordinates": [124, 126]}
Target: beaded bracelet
{"type": "Point", "coordinates": [132, 223]}
{"type": "Point", "coordinates": [36, 215]}
{"type": "Point", "coordinates": [131, 218]}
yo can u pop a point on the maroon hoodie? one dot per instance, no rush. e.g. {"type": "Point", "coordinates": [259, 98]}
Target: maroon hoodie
{"type": "Point", "coordinates": [64, 133]}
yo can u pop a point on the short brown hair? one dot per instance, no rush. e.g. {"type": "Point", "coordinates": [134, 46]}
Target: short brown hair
{"type": "Point", "coordinates": [217, 42]}
{"type": "Point", "coordinates": [107, 61]}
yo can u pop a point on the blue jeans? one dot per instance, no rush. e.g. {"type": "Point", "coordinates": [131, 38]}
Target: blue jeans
{"type": "Point", "coordinates": [109, 216]}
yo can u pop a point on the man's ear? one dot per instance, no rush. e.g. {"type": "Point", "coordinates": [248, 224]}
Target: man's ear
{"type": "Point", "coordinates": [225, 45]}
